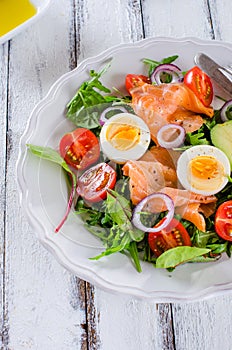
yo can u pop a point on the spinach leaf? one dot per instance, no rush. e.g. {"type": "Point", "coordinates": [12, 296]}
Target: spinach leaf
{"type": "Point", "coordinates": [49, 154]}
{"type": "Point", "coordinates": [178, 255]}
{"type": "Point", "coordinates": [53, 156]}
{"type": "Point", "coordinates": [122, 185]}
{"type": "Point", "coordinates": [119, 209]}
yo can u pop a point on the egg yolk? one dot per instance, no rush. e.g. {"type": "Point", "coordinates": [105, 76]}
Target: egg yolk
{"type": "Point", "coordinates": [205, 172]}
{"type": "Point", "coordinates": [204, 167]}
{"type": "Point", "coordinates": [123, 136]}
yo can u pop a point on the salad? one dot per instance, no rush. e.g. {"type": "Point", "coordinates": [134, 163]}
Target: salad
{"type": "Point", "coordinates": [149, 172]}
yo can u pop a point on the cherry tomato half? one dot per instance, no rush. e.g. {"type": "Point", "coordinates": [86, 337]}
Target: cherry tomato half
{"type": "Point", "coordinates": [80, 148]}
{"type": "Point", "coordinates": [223, 221]}
{"type": "Point", "coordinates": [94, 182]}
{"type": "Point", "coordinates": [133, 80]}
{"type": "Point", "coordinates": [173, 235]}
{"type": "Point", "coordinates": [200, 84]}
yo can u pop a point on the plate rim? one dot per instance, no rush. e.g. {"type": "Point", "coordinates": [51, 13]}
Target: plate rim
{"type": "Point", "coordinates": [51, 245]}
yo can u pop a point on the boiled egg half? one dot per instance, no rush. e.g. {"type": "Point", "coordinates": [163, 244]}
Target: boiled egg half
{"type": "Point", "coordinates": [124, 137]}
{"type": "Point", "coordinates": [203, 169]}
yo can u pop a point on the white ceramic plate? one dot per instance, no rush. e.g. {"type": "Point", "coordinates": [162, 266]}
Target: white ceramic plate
{"type": "Point", "coordinates": [41, 6]}
{"type": "Point", "coordinates": [43, 190]}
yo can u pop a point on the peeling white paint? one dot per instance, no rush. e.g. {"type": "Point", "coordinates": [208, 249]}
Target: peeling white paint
{"type": "Point", "coordinates": [45, 306]}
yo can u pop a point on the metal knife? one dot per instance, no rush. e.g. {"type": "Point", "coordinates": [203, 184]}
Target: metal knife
{"type": "Point", "coordinates": [213, 70]}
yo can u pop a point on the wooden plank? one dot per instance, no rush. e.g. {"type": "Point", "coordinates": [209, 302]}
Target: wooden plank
{"type": "Point", "coordinates": [130, 323]}
{"type": "Point", "coordinates": [42, 302]}
{"type": "Point", "coordinates": [176, 18]}
{"type": "Point", "coordinates": [54, 304]}
{"type": "Point", "coordinates": [203, 325]}
{"type": "Point", "coordinates": [166, 326]}
{"type": "Point", "coordinates": [92, 318]}
{"type": "Point", "coordinates": [220, 11]}
{"type": "Point", "coordinates": [102, 24]}
{"type": "Point", "coordinates": [3, 140]}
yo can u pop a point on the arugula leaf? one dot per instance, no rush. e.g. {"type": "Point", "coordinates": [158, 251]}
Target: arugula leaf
{"type": "Point", "coordinates": [133, 250]}
{"type": "Point", "coordinates": [178, 255]}
{"type": "Point", "coordinates": [120, 245]}
{"type": "Point", "coordinates": [197, 138]}
{"type": "Point", "coordinates": [153, 64]}
{"type": "Point", "coordinates": [202, 239]}
{"type": "Point", "coordinates": [86, 95]}
{"type": "Point", "coordinates": [89, 101]}
{"type": "Point", "coordinates": [210, 123]}
{"type": "Point", "coordinates": [119, 235]}
{"type": "Point", "coordinates": [225, 194]}
{"type": "Point", "coordinates": [229, 249]}
{"type": "Point", "coordinates": [218, 248]}
{"type": "Point", "coordinates": [202, 135]}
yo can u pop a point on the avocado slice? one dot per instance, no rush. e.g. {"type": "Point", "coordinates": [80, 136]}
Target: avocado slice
{"type": "Point", "coordinates": [221, 136]}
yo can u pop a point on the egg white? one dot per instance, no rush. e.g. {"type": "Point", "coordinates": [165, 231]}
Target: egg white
{"type": "Point", "coordinates": [196, 151]}
{"type": "Point", "coordinates": [135, 152]}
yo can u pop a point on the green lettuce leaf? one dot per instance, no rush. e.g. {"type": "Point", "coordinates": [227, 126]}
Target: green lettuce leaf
{"type": "Point", "coordinates": [122, 235]}
{"type": "Point", "coordinates": [179, 255]}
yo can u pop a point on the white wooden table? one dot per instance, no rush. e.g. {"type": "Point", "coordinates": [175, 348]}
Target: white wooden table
{"type": "Point", "coordinates": [43, 306]}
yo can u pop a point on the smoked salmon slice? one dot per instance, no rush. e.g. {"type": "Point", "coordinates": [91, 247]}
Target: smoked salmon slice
{"type": "Point", "coordinates": [147, 178]}
{"type": "Point", "coordinates": [161, 155]}
{"type": "Point", "coordinates": [184, 197]}
{"type": "Point", "coordinates": [190, 205]}
{"type": "Point", "coordinates": [192, 212]}
{"type": "Point", "coordinates": [175, 103]}
{"type": "Point", "coordinates": [189, 120]}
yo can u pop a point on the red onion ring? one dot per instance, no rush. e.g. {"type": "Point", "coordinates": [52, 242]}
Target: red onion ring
{"type": "Point", "coordinates": [179, 140]}
{"type": "Point", "coordinates": [226, 111]}
{"type": "Point", "coordinates": [170, 69]}
{"type": "Point", "coordinates": [103, 118]}
{"type": "Point", "coordinates": [169, 204]}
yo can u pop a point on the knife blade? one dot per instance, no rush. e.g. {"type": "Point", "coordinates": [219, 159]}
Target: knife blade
{"type": "Point", "coordinates": [213, 70]}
